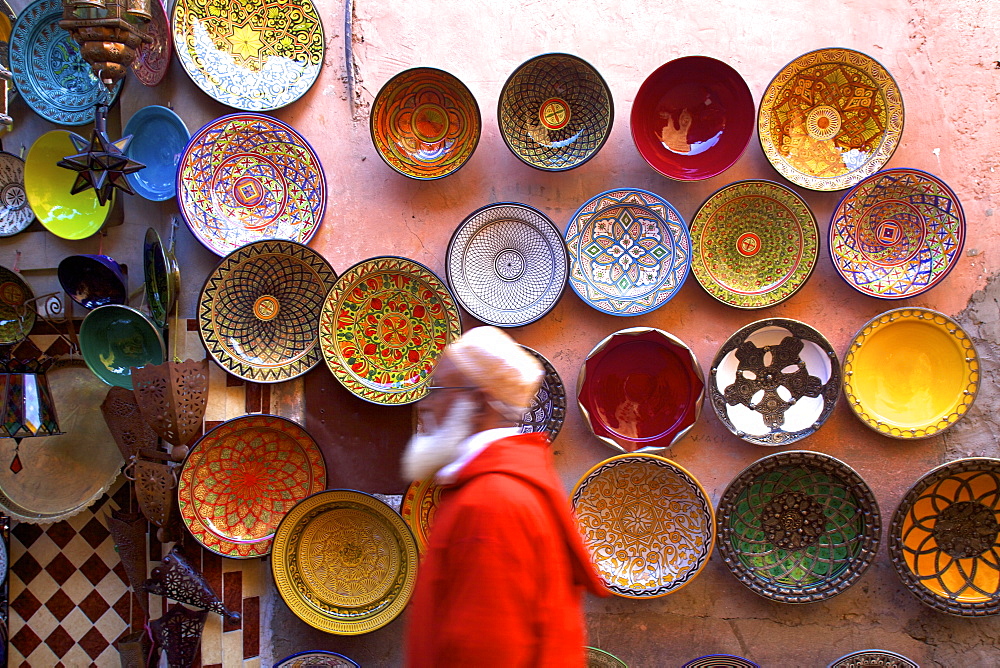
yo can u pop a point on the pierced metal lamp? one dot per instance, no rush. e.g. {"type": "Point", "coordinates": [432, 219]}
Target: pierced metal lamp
{"type": "Point", "coordinates": [109, 33]}
{"type": "Point", "coordinates": [28, 408]}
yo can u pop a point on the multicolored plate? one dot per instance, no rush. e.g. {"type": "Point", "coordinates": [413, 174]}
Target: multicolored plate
{"type": "Point", "coordinates": [17, 317]}
{"type": "Point", "coordinates": [798, 527]}
{"type": "Point", "coordinates": [873, 658]}
{"type": "Point", "coordinates": [944, 540]}
{"type": "Point", "coordinates": [316, 658]}
{"type": "Point", "coordinates": [161, 277]}
{"type": "Point", "coordinates": [153, 60]}
{"type": "Point", "coordinates": [15, 212]}
{"type": "Point", "coordinates": [258, 312]}
{"type": "Point", "coordinates": [830, 118]}
{"type": "Point", "coordinates": [720, 661]}
{"type": "Point", "coordinates": [897, 234]}
{"type": "Point", "coordinates": [629, 251]}
{"type": "Point", "coordinates": [49, 72]}
{"type": "Point", "coordinates": [254, 55]}
{"type": "Point", "coordinates": [754, 244]}
{"type": "Point", "coordinates": [240, 479]}
{"type": "Point", "coordinates": [158, 139]}
{"type": "Point", "coordinates": [383, 326]}
{"type": "Point", "coordinates": [344, 562]}
{"type": "Point", "coordinates": [911, 373]}
{"type": "Point", "coordinates": [548, 409]}
{"type": "Point", "coordinates": [419, 507]}
{"type": "Point", "coordinates": [507, 264]}
{"type": "Point", "coordinates": [598, 658]}
{"type": "Point", "coordinates": [246, 177]}
{"type": "Point", "coordinates": [555, 112]}
{"type": "Point", "coordinates": [648, 524]}
{"type": "Point", "coordinates": [425, 123]}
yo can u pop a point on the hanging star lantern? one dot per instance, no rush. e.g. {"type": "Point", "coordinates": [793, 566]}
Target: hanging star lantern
{"type": "Point", "coordinates": [101, 164]}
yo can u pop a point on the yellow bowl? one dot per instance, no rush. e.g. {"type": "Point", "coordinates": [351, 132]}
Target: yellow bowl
{"type": "Point", "coordinates": [47, 186]}
{"type": "Point", "coordinates": [911, 373]}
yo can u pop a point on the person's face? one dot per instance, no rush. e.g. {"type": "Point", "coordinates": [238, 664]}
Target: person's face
{"type": "Point", "coordinates": [437, 402]}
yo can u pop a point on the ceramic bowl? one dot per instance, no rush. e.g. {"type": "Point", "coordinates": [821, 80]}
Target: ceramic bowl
{"type": "Point", "coordinates": [93, 280]}
{"type": "Point", "coordinates": [115, 338]}
{"type": "Point", "coordinates": [158, 139]}
{"type": "Point", "coordinates": [692, 118]}
{"type": "Point", "coordinates": [555, 112]}
{"type": "Point", "coordinates": [425, 123]}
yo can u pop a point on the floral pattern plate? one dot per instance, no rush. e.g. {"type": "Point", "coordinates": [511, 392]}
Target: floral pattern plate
{"type": "Point", "coordinates": [153, 60]}
{"type": "Point", "coordinates": [383, 326]}
{"type": "Point", "coordinates": [15, 212]}
{"type": "Point", "coordinates": [897, 234]}
{"type": "Point", "coordinates": [254, 55]}
{"type": "Point", "coordinates": [258, 312]}
{"type": "Point", "coordinates": [240, 479]}
{"type": "Point", "coordinates": [17, 317]}
{"type": "Point", "coordinates": [344, 562]}
{"type": "Point", "coordinates": [629, 252]}
{"type": "Point", "coordinates": [755, 244]}
{"type": "Point", "coordinates": [246, 177]}
{"type": "Point", "coordinates": [830, 118]}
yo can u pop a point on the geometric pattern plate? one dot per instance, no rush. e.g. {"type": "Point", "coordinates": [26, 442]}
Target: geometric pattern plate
{"type": "Point", "coordinates": [254, 55]}
{"type": "Point", "coordinates": [241, 478]}
{"type": "Point", "coordinates": [507, 264]}
{"type": "Point", "coordinates": [344, 562]}
{"type": "Point", "coordinates": [246, 177]}
{"type": "Point", "coordinates": [316, 658]}
{"type": "Point", "coordinates": [720, 661]}
{"type": "Point", "coordinates": [153, 60]}
{"type": "Point", "coordinates": [15, 212]}
{"type": "Point", "coordinates": [754, 243]}
{"type": "Point", "coordinates": [830, 118]}
{"type": "Point", "coordinates": [798, 527]}
{"type": "Point", "coordinates": [873, 658]}
{"type": "Point", "coordinates": [648, 524]}
{"type": "Point", "coordinates": [897, 234]}
{"type": "Point", "coordinates": [383, 325]}
{"type": "Point", "coordinates": [598, 658]}
{"type": "Point", "coordinates": [629, 252]}
{"type": "Point", "coordinates": [548, 409]}
{"type": "Point", "coordinates": [944, 540]}
{"type": "Point", "coordinates": [259, 310]}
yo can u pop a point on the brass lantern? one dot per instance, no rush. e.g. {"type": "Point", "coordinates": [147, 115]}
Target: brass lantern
{"type": "Point", "coordinates": [109, 33]}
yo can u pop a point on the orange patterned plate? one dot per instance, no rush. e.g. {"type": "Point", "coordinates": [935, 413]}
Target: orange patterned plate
{"type": "Point", "coordinates": [420, 504]}
{"type": "Point", "coordinates": [240, 480]}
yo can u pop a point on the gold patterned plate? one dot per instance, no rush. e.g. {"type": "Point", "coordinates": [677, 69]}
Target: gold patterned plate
{"type": "Point", "coordinates": [344, 562]}
{"type": "Point", "coordinates": [830, 118]}
{"type": "Point", "coordinates": [911, 373]}
{"type": "Point", "coordinates": [754, 244]}
{"type": "Point", "coordinates": [383, 326]}
{"type": "Point", "coordinates": [647, 522]}
{"type": "Point", "coordinates": [419, 507]}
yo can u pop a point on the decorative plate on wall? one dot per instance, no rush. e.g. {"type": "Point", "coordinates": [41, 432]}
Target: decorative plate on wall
{"type": "Point", "coordinates": [754, 244]}
{"type": "Point", "coordinates": [158, 139]}
{"type": "Point", "coordinates": [720, 661]}
{"type": "Point", "coordinates": [419, 507]}
{"type": "Point", "coordinates": [258, 313]}
{"type": "Point", "coordinates": [873, 658]}
{"type": "Point", "coordinates": [383, 326]}
{"type": "Point", "coordinates": [548, 409]}
{"type": "Point", "coordinates": [830, 118]}
{"type": "Point", "coordinates": [153, 60]}
{"type": "Point", "coordinates": [598, 658]}
{"type": "Point", "coordinates": [911, 373]}
{"type": "Point", "coordinates": [254, 55]}
{"type": "Point", "coordinates": [115, 338]}
{"type": "Point", "coordinates": [555, 112]}
{"type": "Point", "coordinates": [240, 479]}
{"type": "Point", "coordinates": [246, 177]}
{"type": "Point", "coordinates": [161, 277]}
{"type": "Point", "coordinates": [15, 212]}
{"type": "Point", "coordinates": [765, 403]}
{"type": "Point", "coordinates": [425, 123]}
{"type": "Point", "coordinates": [629, 251]}
{"type": "Point", "coordinates": [507, 264]}
{"type": "Point", "coordinates": [798, 527]}
{"type": "Point", "coordinates": [344, 562]}
{"type": "Point", "coordinates": [648, 524]}
{"type": "Point", "coordinates": [16, 316]}
{"type": "Point", "coordinates": [897, 234]}
{"type": "Point", "coordinates": [316, 658]}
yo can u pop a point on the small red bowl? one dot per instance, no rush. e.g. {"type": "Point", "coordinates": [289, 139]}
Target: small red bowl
{"type": "Point", "coordinates": [692, 118]}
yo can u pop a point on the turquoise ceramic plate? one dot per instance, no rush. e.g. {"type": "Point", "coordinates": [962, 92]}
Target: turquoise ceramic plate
{"type": "Point", "coordinates": [114, 338]}
{"type": "Point", "coordinates": [158, 139]}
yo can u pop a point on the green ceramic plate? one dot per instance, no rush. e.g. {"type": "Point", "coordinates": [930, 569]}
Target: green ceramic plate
{"type": "Point", "coordinates": [159, 269]}
{"type": "Point", "coordinates": [114, 338]}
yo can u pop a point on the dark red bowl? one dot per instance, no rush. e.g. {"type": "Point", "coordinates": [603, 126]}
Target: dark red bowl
{"type": "Point", "coordinates": [692, 118]}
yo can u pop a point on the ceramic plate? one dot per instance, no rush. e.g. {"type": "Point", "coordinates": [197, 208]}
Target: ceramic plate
{"type": "Point", "coordinates": [507, 264]}
{"type": "Point", "coordinates": [598, 658]}
{"type": "Point", "coordinates": [17, 317]}
{"type": "Point", "coordinates": [869, 658]}
{"type": "Point", "coordinates": [114, 338]}
{"type": "Point", "coordinates": [254, 55]}
{"type": "Point", "coordinates": [555, 112]}
{"type": "Point", "coordinates": [383, 326]}
{"type": "Point", "coordinates": [911, 373]}
{"type": "Point", "coordinates": [7, 18]}
{"type": "Point", "coordinates": [259, 310]}
{"type": "Point", "coordinates": [161, 277]}
{"type": "Point", "coordinates": [897, 234]}
{"type": "Point", "coordinates": [944, 540]}
{"type": "Point", "coordinates": [246, 177]}
{"type": "Point", "coordinates": [158, 139]}
{"type": "Point", "coordinates": [629, 252]}
{"type": "Point", "coordinates": [640, 389]}
{"type": "Point", "coordinates": [798, 527]}
{"type": "Point", "coordinates": [344, 562]}
{"type": "Point", "coordinates": [548, 409]}
{"type": "Point", "coordinates": [419, 507]}
{"type": "Point", "coordinates": [830, 118]}
{"type": "Point", "coordinates": [49, 72]}
{"type": "Point", "coordinates": [720, 661]}
{"type": "Point", "coordinates": [15, 212]}
{"type": "Point", "coordinates": [754, 244]}
{"type": "Point", "coordinates": [647, 523]}
{"type": "Point", "coordinates": [316, 658]}
{"type": "Point", "coordinates": [425, 123]}
{"type": "Point", "coordinates": [774, 381]}
{"type": "Point", "coordinates": [93, 280]}
{"type": "Point", "coordinates": [240, 479]}
{"type": "Point", "coordinates": [153, 60]}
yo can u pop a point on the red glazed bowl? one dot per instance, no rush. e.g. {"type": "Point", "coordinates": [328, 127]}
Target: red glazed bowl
{"type": "Point", "coordinates": [692, 118]}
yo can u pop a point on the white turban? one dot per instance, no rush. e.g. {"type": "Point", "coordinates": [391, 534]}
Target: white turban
{"type": "Point", "coordinates": [496, 364]}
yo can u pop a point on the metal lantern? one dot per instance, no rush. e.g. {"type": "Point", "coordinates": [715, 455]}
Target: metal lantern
{"type": "Point", "coordinates": [28, 408]}
{"type": "Point", "coordinates": [109, 33]}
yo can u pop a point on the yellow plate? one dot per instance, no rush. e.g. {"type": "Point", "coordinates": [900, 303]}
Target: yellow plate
{"type": "Point", "coordinates": [47, 186]}
{"type": "Point", "coordinates": [911, 373]}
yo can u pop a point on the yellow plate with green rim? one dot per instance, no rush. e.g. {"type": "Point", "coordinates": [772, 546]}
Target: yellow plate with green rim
{"type": "Point", "coordinates": [911, 373]}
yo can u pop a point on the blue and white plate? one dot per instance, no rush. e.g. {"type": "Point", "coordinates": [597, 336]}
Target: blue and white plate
{"type": "Point", "coordinates": [158, 139]}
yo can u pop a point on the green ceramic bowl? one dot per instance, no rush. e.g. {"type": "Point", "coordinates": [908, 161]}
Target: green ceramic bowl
{"type": "Point", "coordinates": [114, 338]}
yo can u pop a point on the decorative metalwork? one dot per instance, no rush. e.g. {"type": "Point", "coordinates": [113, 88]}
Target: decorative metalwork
{"type": "Point", "coordinates": [178, 632]}
{"type": "Point", "coordinates": [109, 33]}
{"type": "Point", "coordinates": [873, 658]}
{"type": "Point", "coordinates": [129, 533]}
{"type": "Point", "coordinates": [172, 397]}
{"type": "Point", "coordinates": [101, 164]}
{"type": "Point", "coordinates": [548, 408]}
{"type": "Point", "coordinates": [155, 482]}
{"type": "Point", "coordinates": [126, 422]}
{"type": "Point", "coordinates": [134, 649]}
{"type": "Point", "coordinates": [27, 404]}
{"type": "Point", "coordinates": [178, 580]}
